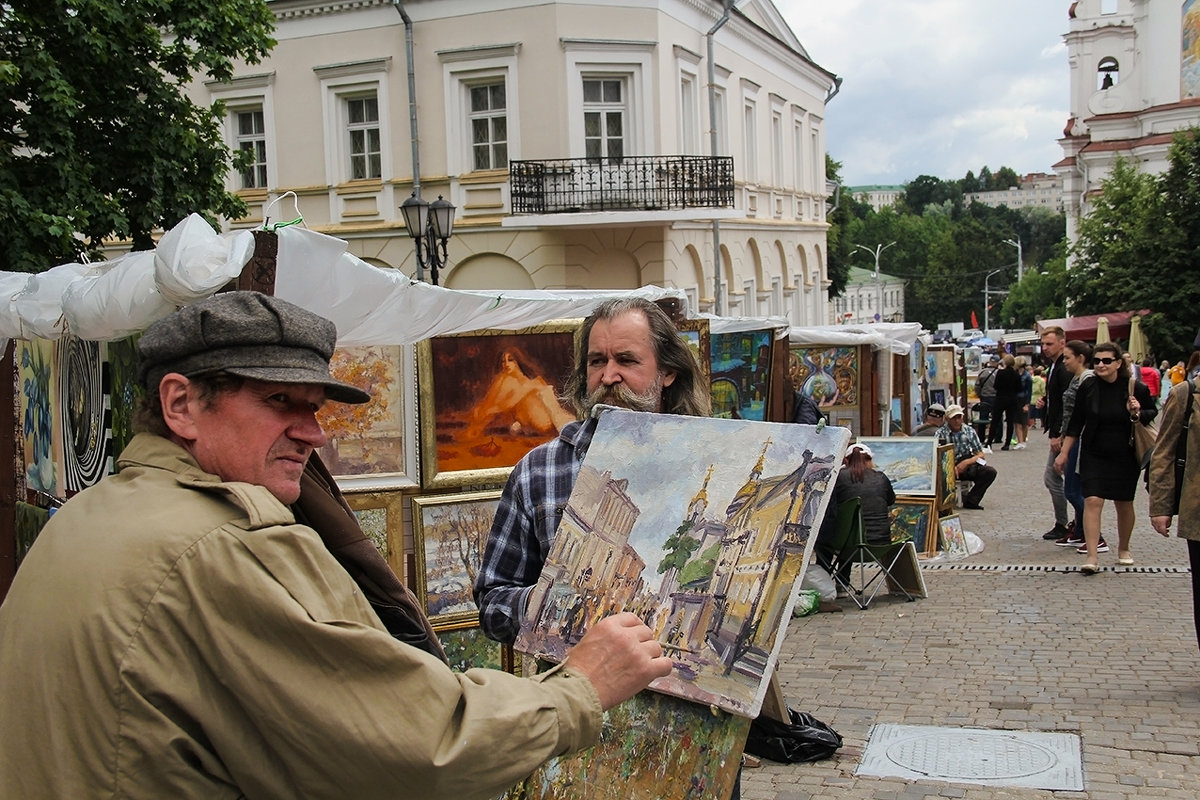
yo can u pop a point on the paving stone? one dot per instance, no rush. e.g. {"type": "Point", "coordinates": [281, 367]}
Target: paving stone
{"type": "Point", "coordinates": [1000, 648]}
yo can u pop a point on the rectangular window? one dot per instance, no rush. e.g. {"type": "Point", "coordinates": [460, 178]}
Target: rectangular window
{"type": "Point", "coordinates": [252, 137]}
{"type": "Point", "coordinates": [603, 118]}
{"type": "Point", "coordinates": [721, 123]}
{"type": "Point", "coordinates": [798, 140]}
{"type": "Point", "coordinates": [689, 136]}
{"type": "Point", "coordinates": [489, 126]}
{"type": "Point", "coordinates": [362, 126]}
{"type": "Point", "coordinates": [776, 149]}
{"type": "Point", "coordinates": [750, 141]}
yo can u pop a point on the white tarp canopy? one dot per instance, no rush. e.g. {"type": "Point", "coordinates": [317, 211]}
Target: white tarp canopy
{"type": "Point", "coordinates": [370, 306]}
{"type": "Point", "coordinates": [897, 337]}
{"type": "Point", "coordinates": [114, 299]}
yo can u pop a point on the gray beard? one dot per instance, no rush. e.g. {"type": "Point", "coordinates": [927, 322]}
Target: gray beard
{"type": "Point", "coordinates": [619, 395]}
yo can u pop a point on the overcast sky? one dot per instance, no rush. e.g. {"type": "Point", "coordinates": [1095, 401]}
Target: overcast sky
{"type": "Point", "coordinates": [939, 87]}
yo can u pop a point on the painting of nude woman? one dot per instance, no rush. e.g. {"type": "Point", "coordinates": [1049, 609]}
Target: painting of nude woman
{"type": "Point", "coordinates": [488, 398]}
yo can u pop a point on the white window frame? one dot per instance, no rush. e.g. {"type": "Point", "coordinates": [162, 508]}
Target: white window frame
{"type": "Point", "coordinates": [721, 101]}
{"type": "Point", "coordinates": [777, 148]}
{"type": "Point", "coordinates": [253, 138]}
{"type": "Point", "coordinates": [464, 69]}
{"type": "Point", "coordinates": [242, 94]}
{"type": "Point", "coordinates": [627, 60]}
{"type": "Point", "coordinates": [606, 107]}
{"type": "Point", "coordinates": [339, 83]}
{"type": "Point", "coordinates": [687, 108]}
{"type": "Point", "coordinates": [798, 147]}
{"type": "Point", "coordinates": [750, 91]}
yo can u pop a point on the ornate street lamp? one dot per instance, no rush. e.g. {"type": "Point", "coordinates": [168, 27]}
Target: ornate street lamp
{"type": "Point", "coordinates": [429, 225]}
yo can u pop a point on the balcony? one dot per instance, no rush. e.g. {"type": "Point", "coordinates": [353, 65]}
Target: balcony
{"type": "Point", "coordinates": [631, 183]}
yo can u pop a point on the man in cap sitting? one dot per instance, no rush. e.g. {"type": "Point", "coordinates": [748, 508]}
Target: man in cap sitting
{"type": "Point", "coordinates": [175, 632]}
{"type": "Point", "coordinates": [969, 461]}
{"type": "Point", "coordinates": [935, 415]}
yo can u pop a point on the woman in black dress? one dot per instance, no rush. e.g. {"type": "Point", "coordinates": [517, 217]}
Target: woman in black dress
{"type": "Point", "coordinates": [1008, 403]}
{"type": "Point", "coordinates": [1108, 469]}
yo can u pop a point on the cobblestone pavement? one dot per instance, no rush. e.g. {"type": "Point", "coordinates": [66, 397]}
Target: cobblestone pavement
{"type": "Point", "coordinates": [1011, 638]}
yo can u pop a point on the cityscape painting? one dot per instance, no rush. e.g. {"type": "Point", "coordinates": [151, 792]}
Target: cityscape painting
{"type": "Point", "coordinates": [701, 526]}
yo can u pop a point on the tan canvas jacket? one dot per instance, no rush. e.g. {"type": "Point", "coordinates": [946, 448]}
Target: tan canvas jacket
{"type": "Point", "coordinates": [172, 636]}
{"type": "Point", "coordinates": [1162, 464]}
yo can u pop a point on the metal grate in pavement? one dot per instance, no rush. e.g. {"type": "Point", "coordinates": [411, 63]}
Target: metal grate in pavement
{"type": "Point", "coordinates": [963, 567]}
{"type": "Point", "coordinates": [1026, 759]}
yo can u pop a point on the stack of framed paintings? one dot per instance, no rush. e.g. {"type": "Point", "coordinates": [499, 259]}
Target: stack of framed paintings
{"type": "Point", "coordinates": [706, 549]}
{"type": "Point", "coordinates": [449, 535]}
{"type": "Point", "coordinates": [922, 473]}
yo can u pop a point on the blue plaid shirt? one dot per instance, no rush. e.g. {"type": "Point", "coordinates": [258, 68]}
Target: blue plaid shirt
{"type": "Point", "coordinates": [526, 520]}
{"type": "Point", "coordinates": [966, 441]}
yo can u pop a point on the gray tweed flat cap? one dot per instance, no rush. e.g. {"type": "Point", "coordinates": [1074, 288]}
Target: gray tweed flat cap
{"type": "Point", "coordinates": [248, 334]}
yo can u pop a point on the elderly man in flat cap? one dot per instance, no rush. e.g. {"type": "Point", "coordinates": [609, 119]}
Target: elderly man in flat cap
{"type": "Point", "coordinates": [175, 631]}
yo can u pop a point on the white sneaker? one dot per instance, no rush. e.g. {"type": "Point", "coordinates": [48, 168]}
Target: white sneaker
{"type": "Point", "coordinates": [987, 449]}
{"type": "Point", "coordinates": [1020, 446]}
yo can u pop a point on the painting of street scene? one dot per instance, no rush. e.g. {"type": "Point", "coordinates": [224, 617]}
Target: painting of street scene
{"type": "Point", "coordinates": [449, 535]}
{"type": "Point", "coordinates": [701, 526]}
{"type": "Point", "coordinates": [910, 462]}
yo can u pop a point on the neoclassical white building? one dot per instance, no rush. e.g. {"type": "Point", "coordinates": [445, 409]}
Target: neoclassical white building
{"type": "Point", "coordinates": [1135, 80]}
{"type": "Point", "coordinates": [870, 297]}
{"type": "Point", "coordinates": [574, 138]}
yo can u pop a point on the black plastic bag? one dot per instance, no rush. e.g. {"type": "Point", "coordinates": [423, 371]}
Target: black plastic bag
{"type": "Point", "coordinates": [806, 739]}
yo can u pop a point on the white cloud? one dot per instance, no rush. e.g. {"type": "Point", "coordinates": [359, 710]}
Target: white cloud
{"type": "Point", "coordinates": [937, 87]}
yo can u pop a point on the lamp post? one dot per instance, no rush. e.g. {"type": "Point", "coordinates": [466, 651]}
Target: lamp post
{"type": "Point", "coordinates": [987, 293]}
{"type": "Point", "coordinates": [1016, 242]}
{"type": "Point", "coordinates": [429, 225]}
{"type": "Point", "coordinates": [879, 248]}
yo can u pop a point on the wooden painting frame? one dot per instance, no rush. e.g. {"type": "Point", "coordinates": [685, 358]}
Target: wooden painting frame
{"type": "Point", "coordinates": [373, 445]}
{"type": "Point", "coordinates": [950, 531]}
{"type": "Point", "coordinates": [451, 562]}
{"type": "Point", "coordinates": [741, 390]}
{"type": "Point", "coordinates": [910, 462]}
{"type": "Point", "coordinates": [947, 483]}
{"type": "Point", "coordinates": [457, 449]}
{"type": "Point", "coordinates": [829, 374]}
{"type": "Point", "coordinates": [449, 635]}
{"type": "Point", "coordinates": [915, 519]}
{"type": "Point", "coordinates": [391, 504]}
{"type": "Point", "coordinates": [696, 333]}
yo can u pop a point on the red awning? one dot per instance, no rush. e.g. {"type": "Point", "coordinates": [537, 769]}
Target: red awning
{"type": "Point", "coordinates": [1085, 327]}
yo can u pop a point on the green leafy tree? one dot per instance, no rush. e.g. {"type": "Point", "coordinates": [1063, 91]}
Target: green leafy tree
{"type": "Point", "coordinates": [99, 139]}
{"type": "Point", "coordinates": [678, 548]}
{"type": "Point", "coordinates": [1139, 248]}
{"type": "Point", "coordinates": [1006, 178]}
{"type": "Point", "coordinates": [1041, 294]}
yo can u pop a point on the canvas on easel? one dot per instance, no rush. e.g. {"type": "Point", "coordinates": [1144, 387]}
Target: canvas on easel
{"type": "Point", "coordinates": [701, 526]}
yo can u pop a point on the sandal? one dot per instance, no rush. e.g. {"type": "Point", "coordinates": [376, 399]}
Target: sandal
{"type": "Point", "coordinates": [1125, 560]}
{"type": "Point", "coordinates": [1089, 569]}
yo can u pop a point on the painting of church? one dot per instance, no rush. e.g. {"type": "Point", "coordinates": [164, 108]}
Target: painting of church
{"type": "Point", "coordinates": [702, 527]}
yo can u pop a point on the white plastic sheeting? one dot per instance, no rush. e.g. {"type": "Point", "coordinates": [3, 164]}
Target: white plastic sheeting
{"type": "Point", "coordinates": [370, 306]}
{"type": "Point", "coordinates": [895, 336]}
{"type": "Point", "coordinates": [114, 299]}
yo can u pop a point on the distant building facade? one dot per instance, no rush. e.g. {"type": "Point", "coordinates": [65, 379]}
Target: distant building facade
{"type": "Point", "coordinates": [870, 298]}
{"type": "Point", "coordinates": [877, 197]}
{"type": "Point", "coordinates": [1036, 190]}
{"type": "Point", "coordinates": [1135, 80]}
{"type": "Point", "coordinates": [573, 138]}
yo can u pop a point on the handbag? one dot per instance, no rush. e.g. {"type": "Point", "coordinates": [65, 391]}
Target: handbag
{"type": "Point", "coordinates": [1141, 437]}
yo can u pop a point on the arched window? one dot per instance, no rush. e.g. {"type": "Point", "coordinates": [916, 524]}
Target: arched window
{"type": "Point", "coordinates": [1107, 72]}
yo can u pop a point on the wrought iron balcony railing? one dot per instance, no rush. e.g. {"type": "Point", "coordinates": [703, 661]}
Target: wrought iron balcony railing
{"type": "Point", "coordinates": [649, 183]}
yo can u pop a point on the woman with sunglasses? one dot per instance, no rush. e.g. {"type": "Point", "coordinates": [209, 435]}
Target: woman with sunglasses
{"type": "Point", "coordinates": [1108, 470]}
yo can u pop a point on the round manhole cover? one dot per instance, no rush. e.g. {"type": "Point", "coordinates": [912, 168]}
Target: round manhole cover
{"type": "Point", "coordinates": [942, 755]}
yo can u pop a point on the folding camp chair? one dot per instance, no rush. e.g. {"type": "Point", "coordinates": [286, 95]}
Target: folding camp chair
{"type": "Point", "coordinates": [873, 562]}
